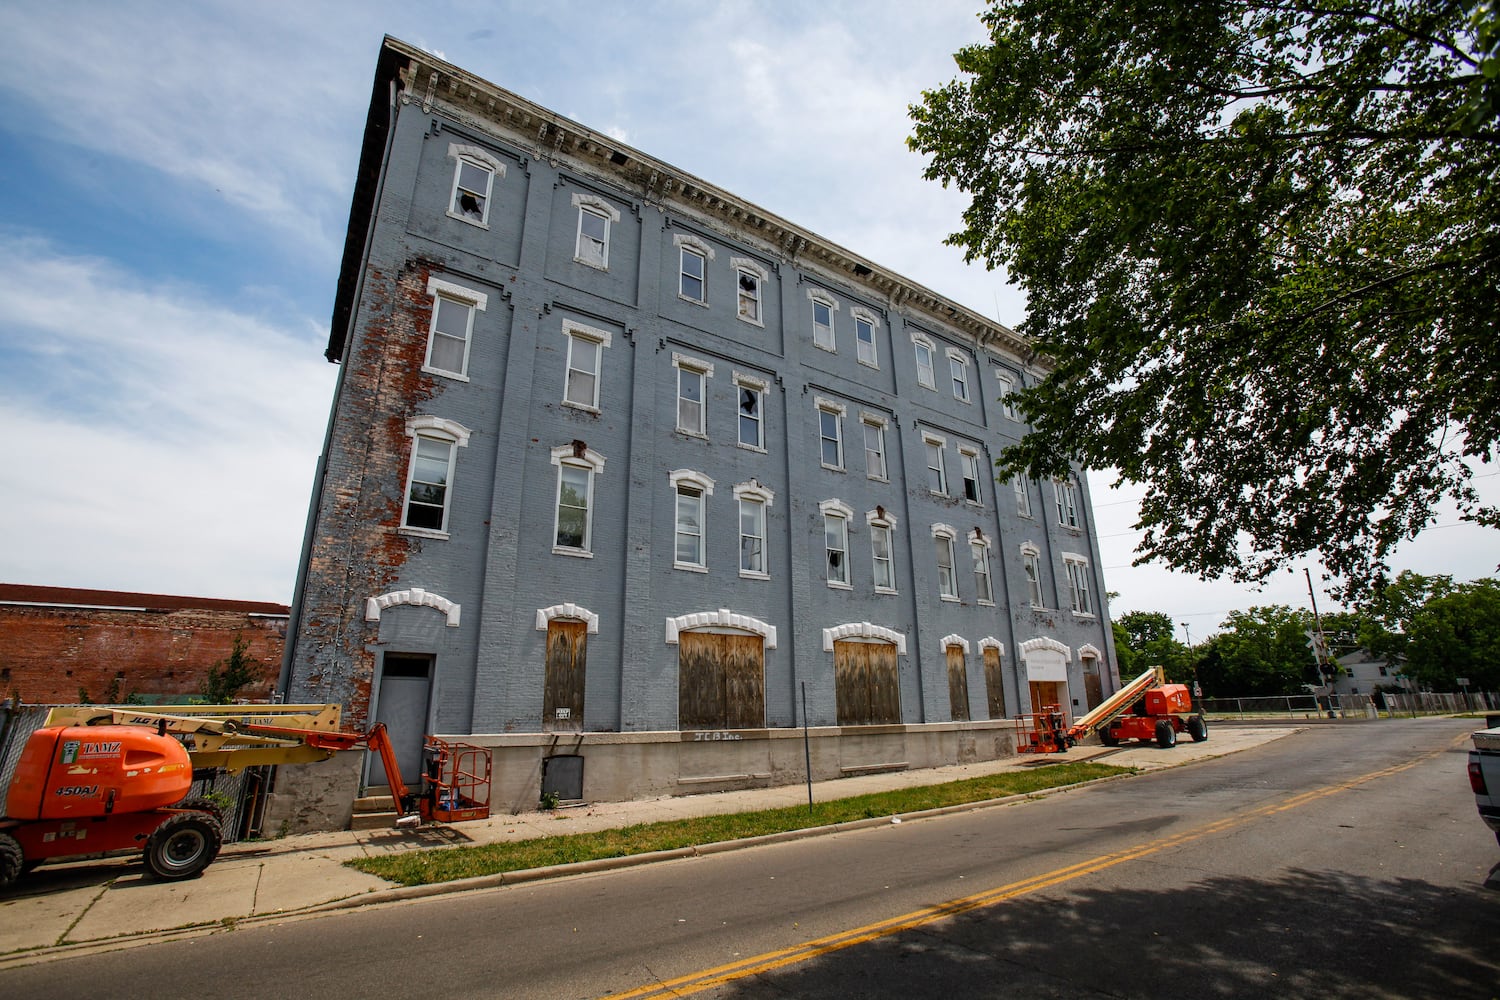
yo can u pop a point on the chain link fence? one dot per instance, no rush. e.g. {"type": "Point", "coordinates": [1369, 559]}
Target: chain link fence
{"type": "Point", "coordinates": [1350, 706]}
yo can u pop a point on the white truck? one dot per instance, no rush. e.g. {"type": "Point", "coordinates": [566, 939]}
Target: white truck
{"type": "Point", "coordinates": [1484, 776]}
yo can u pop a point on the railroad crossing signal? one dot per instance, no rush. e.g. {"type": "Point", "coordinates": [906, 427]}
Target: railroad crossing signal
{"type": "Point", "coordinates": [1318, 643]}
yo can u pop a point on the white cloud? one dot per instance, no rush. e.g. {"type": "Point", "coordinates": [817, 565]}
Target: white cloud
{"type": "Point", "coordinates": [160, 440]}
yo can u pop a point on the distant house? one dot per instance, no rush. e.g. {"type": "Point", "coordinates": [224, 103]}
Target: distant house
{"type": "Point", "coordinates": [61, 645]}
{"type": "Point", "coordinates": [626, 471]}
{"type": "Point", "coordinates": [1361, 672]}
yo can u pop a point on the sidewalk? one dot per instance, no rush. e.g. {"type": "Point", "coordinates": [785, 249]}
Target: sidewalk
{"type": "Point", "coordinates": [103, 905]}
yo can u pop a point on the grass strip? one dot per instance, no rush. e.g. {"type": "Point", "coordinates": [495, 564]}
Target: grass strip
{"type": "Point", "coordinates": [425, 867]}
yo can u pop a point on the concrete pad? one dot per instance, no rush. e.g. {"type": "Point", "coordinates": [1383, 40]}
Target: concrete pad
{"type": "Point", "coordinates": [40, 921]}
{"type": "Point", "coordinates": [297, 881]}
{"type": "Point", "coordinates": [134, 904]}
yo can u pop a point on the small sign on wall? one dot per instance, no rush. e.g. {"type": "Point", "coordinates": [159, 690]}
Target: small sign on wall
{"type": "Point", "coordinates": [564, 713]}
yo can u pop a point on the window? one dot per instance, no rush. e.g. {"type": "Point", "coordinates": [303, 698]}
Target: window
{"type": "Point", "coordinates": [958, 366]}
{"type": "Point", "coordinates": [831, 434]}
{"type": "Point", "coordinates": [575, 487]}
{"type": "Point", "coordinates": [882, 531]}
{"type": "Point", "coordinates": [692, 377]}
{"type": "Point", "coordinates": [577, 466]}
{"type": "Point", "coordinates": [427, 483]}
{"type": "Point", "coordinates": [585, 351]}
{"type": "Point", "coordinates": [754, 500]}
{"type": "Point", "coordinates": [1078, 583]}
{"type": "Point", "coordinates": [864, 339]}
{"type": "Point", "coordinates": [942, 537]}
{"type": "Point", "coordinates": [836, 541]}
{"type": "Point", "coordinates": [430, 475]}
{"type": "Point", "coordinates": [1007, 389]}
{"type": "Point", "coordinates": [823, 324]}
{"type": "Point", "coordinates": [979, 549]}
{"type": "Point", "coordinates": [925, 375]}
{"type": "Point", "coordinates": [937, 476]}
{"type": "Point", "coordinates": [970, 460]}
{"type": "Point", "coordinates": [749, 277]}
{"type": "Point", "coordinates": [692, 277]}
{"type": "Point", "coordinates": [1067, 502]}
{"type": "Point", "coordinates": [752, 393]}
{"type": "Point", "coordinates": [1023, 495]}
{"type": "Point", "coordinates": [692, 490]}
{"type": "Point", "coordinates": [752, 536]}
{"type": "Point", "coordinates": [874, 447]}
{"type": "Point", "coordinates": [1031, 562]}
{"type": "Point", "coordinates": [453, 309]}
{"type": "Point", "coordinates": [474, 174]}
{"type": "Point", "coordinates": [594, 216]}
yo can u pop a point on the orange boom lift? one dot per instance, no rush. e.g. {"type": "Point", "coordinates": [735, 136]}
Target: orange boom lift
{"type": "Point", "coordinates": [1146, 709]}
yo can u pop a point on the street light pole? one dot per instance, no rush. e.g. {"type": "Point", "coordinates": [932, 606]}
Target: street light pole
{"type": "Point", "coordinates": [1192, 661]}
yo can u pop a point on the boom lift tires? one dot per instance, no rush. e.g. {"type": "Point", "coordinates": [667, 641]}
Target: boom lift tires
{"type": "Point", "coordinates": [183, 846]}
{"type": "Point", "coordinates": [1197, 728]}
{"type": "Point", "coordinates": [1166, 734]}
{"type": "Point", "coordinates": [10, 859]}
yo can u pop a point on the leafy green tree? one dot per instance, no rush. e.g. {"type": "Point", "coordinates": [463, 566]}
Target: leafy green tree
{"type": "Point", "coordinates": [1457, 634]}
{"type": "Point", "coordinates": [1126, 656]}
{"type": "Point", "coordinates": [1259, 652]}
{"type": "Point", "coordinates": [1260, 248]}
{"type": "Point", "coordinates": [1148, 635]}
{"type": "Point", "coordinates": [1388, 612]}
{"type": "Point", "coordinates": [225, 678]}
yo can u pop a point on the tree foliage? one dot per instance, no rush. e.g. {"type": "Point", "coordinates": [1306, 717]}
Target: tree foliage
{"type": "Point", "coordinates": [225, 678]}
{"type": "Point", "coordinates": [1150, 641]}
{"type": "Point", "coordinates": [1260, 248]}
{"type": "Point", "coordinates": [1438, 631]}
{"type": "Point", "coordinates": [1260, 652]}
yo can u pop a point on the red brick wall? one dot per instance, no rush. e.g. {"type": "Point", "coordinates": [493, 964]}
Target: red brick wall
{"type": "Point", "coordinates": [47, 654]}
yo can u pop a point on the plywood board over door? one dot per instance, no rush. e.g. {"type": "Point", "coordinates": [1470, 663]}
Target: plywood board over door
{"type": "Point", "coordinates": [958, 683]}
{"type": "Point", "coordinates": [567, 663]}
{"type": "Point", "coordinates": [721, 681]}
{"type": "Point", "coordinates": [994, 683]}
{"type": "Point", "coordinates": [867, 683]}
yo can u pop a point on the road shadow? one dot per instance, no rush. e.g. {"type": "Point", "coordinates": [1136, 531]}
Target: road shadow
{"type": "Point", "coordinates": [1310, 934]}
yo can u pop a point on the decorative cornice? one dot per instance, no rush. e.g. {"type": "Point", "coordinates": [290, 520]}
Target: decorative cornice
{"type": "Point", "coordinates": [569, 611]}
{"type": "Point", "coordinates": [415, 596]}
{"type": "Point", "coordinates": [866, 631]}
{"type": "Point", "coordinates": [723, 618]}
{"type": "Point", "coordinates": [482, 105]}
{"type": "Point", "coordinates": [1045, 643]}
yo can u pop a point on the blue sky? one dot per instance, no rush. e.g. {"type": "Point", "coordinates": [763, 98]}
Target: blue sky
{"type": "Point", "coordinates": [174, 189]}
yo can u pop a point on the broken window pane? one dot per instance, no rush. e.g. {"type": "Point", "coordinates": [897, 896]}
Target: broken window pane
{"type": "Point", "coordinates": [750, 423]}
{"type": "Point", "coordinates": [471, 190]}
{"type": "Point", "coordinates": [749, 297]}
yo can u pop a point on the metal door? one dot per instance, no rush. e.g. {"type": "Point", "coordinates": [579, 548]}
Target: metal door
{"type": "Point", "coordinates": [405, 686]}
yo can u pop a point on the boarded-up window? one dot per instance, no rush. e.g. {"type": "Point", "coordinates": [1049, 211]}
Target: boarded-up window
{"type": "Point", "coordinates": [958, 683]}
{"type": "Point", "coordinates": [994, 682]}
{"type": "Point", "coordinates": [867, 685]}
{"type": "Point", "coordinates": [562, 701]}
{"type": "Point", "coordinates": [721, 681]}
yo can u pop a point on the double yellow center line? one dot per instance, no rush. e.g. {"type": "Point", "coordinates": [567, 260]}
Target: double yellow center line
{"type": "Point", "coordinates": [696, 982]}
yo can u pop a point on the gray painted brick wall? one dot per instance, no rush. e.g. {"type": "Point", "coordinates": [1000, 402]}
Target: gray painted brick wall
{"type": "Point", "coordinates": [497, 563]}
